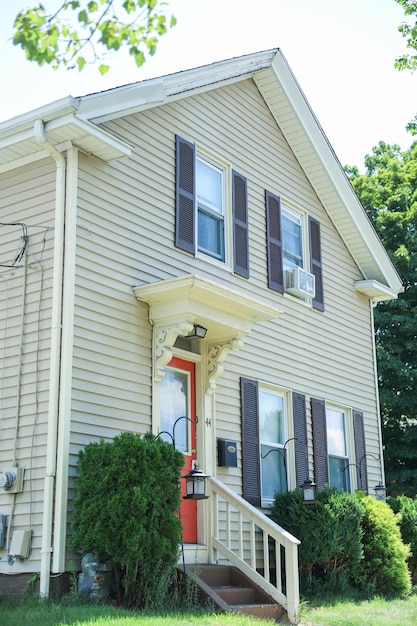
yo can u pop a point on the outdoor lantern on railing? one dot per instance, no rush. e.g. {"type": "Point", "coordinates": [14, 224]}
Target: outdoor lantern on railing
{"type": "Point", "coordinates": [309, 491]}
{"type": "Point", "coordinates": [380, 492]}
{"type": "Point", "coordinates": [195, 484]}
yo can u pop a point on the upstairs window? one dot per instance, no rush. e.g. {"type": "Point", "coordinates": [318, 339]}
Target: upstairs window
{"type": "Point", "coordinates": [293, 252]}
{"type": "Point", "coordinates": [292, 240]}
{"type": "Point", "coordinates": [211, 209]}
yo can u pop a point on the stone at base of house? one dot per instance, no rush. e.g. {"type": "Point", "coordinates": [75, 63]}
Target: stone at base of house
{"type": "Point", "coordinates": [16, 585]}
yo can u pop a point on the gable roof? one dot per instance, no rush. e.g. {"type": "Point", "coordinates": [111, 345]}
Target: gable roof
{"type": "Point", "coordinates": [77, 120]}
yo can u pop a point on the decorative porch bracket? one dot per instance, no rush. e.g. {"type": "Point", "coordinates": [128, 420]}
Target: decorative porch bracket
{"type": "Point", "coordinates": [217, 354]}
{"type": "Point", "coordinates": [165, 337]}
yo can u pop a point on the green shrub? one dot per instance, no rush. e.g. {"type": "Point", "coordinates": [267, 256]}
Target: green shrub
{"type": "Point", "coordinates": [383, 569]}
{"type": "Point", "coordinates": [330, 535]}
{"type": "Point", "coordinates": [407, 507]}
{"type": "Point", "coordinates": [127, 497]}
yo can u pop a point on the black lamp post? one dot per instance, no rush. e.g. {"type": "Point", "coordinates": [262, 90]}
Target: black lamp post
{"type": "Point", "coordinates": [195, 484]}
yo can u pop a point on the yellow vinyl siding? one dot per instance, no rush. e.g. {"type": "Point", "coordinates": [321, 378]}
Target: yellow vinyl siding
{"type": "Point", "coordinates": [27, 196]}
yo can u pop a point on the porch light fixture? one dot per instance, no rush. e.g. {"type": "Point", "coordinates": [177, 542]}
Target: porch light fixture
{"type": "Point", "coordinates": [195, 484]}
{"type": "Point", "coordinates": [198, 332]}
{"type": "Point", "coordinates": [309, 491]}
{"type": "Point", "coordinates": [380, 492]}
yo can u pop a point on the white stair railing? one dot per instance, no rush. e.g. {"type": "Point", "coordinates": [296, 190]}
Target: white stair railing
{"type": "Point", "coordinates": [257, 546]}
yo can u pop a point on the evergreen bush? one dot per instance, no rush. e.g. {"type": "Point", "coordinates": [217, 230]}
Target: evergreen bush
{"type": "Point", "coordinates": [125, 512]}
{"type": "Point", "coordinates": [383, 570]}
{"type": "Point", "coordinates": [407, 508]}
{"type": "Point", "coordinates": [330, 535]}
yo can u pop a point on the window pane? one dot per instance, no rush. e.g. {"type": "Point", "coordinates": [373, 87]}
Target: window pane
{"type": "Point", "coordinates": [210, 235]}
{"type": "Point", "coordinates": [339, 473]}
{"type": "Point", "coordinates": [271, 418]}
{"type": "Point", "coordinates": [292, 239]}
{"type": "Point", "coordinates": [209, 186]}
{"type": "Point", "coordinates": [336, 435]}
{"type": "Point", "coordinates": [273, 471]}
{"type": "Point", "coordinates": [174, 404]}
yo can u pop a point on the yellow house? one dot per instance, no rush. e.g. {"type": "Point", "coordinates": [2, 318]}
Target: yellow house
{"type": "Point", "coordinates": [208, 200]}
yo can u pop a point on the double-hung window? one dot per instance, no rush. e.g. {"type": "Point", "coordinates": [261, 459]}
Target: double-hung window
{"type": "Point", "coordinates": [292, 240]}
{"type": "Point", "coordinates": [293, 252]}
{"type": "Point", "coordinates": [338, 448]}
{"type": "Point", "coordinates": [272, 436]}
{"type": "Point", "coordinates": [211, 208]}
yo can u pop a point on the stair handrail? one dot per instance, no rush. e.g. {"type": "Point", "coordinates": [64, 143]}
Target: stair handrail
{"type": "Point", "coordinates": [286, 594]}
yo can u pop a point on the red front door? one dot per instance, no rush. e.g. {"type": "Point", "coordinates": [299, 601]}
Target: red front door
{"type": "Point", "coordinates": [178, 401]}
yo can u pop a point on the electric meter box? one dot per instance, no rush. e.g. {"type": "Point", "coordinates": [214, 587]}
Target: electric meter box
{"type": "Point", "coordinates": [11, 480]}
{"type": "Point", "coordinates": [226, 453]}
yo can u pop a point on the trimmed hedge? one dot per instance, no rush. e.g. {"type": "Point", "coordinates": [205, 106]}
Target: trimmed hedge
{"type": "Point", "coordinates": [125, 512]}
{"type": "Point", "coordinates": [330, 534]}
{"type": "Point", "coordinates": [348, 542]}
{"type": "Point", "coordinates": [383, 569]}
{"type": "Point", "coordinates": [407, 508]}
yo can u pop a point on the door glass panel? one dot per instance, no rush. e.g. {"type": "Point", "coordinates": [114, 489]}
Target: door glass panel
{"type": "Point", "coordinates": [175, 404]}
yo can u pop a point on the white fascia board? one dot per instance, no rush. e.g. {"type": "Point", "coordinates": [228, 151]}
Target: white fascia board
{"type": "Point", "coordinates": [136, 97]}
{"type": "Point", "coordinates": [125, 100]}
{"type": "Point", "coordinates": [335, 172]}
{"type": "Point", "coordinates": [50, 111]}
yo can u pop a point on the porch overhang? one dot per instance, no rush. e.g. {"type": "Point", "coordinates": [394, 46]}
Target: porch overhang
{"type": "Point", "coordinates": [190, 299]}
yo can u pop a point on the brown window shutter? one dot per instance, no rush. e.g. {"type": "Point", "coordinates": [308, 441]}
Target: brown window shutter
{"type": "Point", "coordinates": [315, 262]}
{"type": "Point", "coordinates": [321, 467]}
{"type": "Point", "coordinates": [250, 441]}
{"type": "Point", "coordinates": [360, 450]}
{"type": "Point", "coordinates": [274, 242]}
{"type": "Point", "coordinates": [300, 434]}
{"type": "Point", "coordinates": [240, 225]}
{"type": "Point", "coordinates": [185, 195]}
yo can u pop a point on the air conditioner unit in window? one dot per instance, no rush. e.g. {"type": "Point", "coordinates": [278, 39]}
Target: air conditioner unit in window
{"type": "Point", "coordinates": [299, 283]}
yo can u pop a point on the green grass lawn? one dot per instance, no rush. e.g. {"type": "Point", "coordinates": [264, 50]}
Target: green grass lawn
{"type": "Point", "coordinates": [33, 612]}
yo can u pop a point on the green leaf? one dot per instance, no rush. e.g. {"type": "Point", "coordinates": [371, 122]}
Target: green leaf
{"type": "Point", "coordinates": [83, 17]}
{"type": "Point", "coordinates": [81, 63]}
{"type": "Point", "coordinates": [103, 69]}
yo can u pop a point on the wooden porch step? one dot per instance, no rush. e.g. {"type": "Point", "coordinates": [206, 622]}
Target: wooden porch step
{"type": "Point", "coordinates": [230, 590]}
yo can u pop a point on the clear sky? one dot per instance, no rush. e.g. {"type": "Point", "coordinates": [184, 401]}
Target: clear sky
{"type": "Point", "coordinates": [341, 51]}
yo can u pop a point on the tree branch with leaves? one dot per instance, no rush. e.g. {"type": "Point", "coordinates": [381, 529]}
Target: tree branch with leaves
{"type": "Point", "coordinates": [409, 61]}
{"type": "Point", "coordinates": [84, 32]}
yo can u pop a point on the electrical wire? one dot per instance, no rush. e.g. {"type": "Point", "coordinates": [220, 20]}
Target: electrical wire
{"type": "Point", "coordinates": [24, 242]}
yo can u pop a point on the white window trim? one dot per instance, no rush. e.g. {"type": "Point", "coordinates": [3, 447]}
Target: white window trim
{"type": "Point", "coordinates": [350, 442]}
{"type": "Point", "coordinates": [290, 460]}
{"type": "Point", "coordinates": [221, 164]}
{"type": "Point", "coordinates": [287, 207]}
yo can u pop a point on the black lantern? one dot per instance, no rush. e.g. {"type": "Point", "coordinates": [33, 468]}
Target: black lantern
{"type": "Point", "coordinates": [380, 492]}
{"type": "Point", "coordinates": [309, 491]}
{"type": "Point", "coordinates": [195, 484]}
